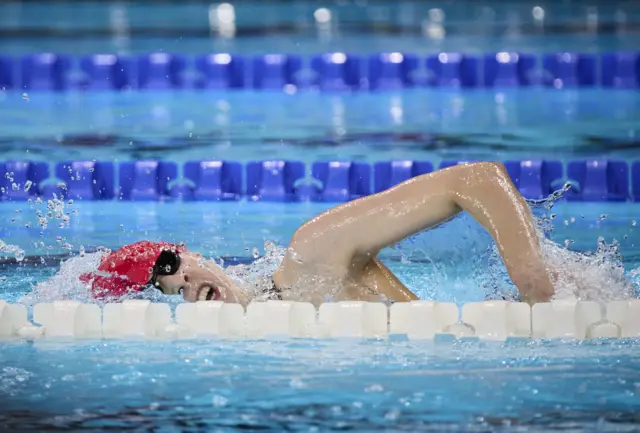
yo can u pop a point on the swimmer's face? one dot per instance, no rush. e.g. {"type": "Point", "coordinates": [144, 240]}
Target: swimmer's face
{"type": "Point", "coordinates": [198, 279]}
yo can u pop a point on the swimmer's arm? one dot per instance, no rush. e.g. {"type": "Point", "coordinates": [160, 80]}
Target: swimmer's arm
{"type": "Point", "coordinates": [378, 277]}
{"type": "Point", "coordinates": [367, 225]}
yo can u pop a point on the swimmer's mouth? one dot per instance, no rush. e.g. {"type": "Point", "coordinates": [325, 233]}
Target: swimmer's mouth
{"type": "Point", "coordinates": [207, 293]}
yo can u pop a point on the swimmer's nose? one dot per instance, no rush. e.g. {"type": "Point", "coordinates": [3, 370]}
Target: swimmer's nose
{"type": "Point", "coordinates": [189, 292]}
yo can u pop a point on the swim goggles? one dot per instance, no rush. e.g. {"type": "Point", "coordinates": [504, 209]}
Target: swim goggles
{"type": "Point", "coordinates": [167, 263]}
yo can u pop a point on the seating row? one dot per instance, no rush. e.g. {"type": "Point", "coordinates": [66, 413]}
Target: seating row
{"type": "Point", "coordinates": [419, 320]}
{"type": "Point", "coordinates": [289, 181]}
{"type": "Point", "coordinates": [327, 71]}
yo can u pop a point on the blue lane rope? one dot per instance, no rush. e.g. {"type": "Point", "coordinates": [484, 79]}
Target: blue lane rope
{"type": "Point", "coordinates": [336, 71]}
{"type": "Point", "coordinates": [592, 180]}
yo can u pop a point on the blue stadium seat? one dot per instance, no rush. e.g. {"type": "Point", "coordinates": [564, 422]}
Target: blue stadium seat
{"type": "Point", "coordinates": [620, 70]}
{"type": "Point", "coordinates": [220, 71]}
{"type": "Point", "coordinates": [214, 180]}
{"type": "Point", "coordinates": [452, 70]}
{"type": "Point", "coordinates": [388, 174]}
{"type": "Point", "coordinates": [392, 70]}
{"type": "Point", "coordinates": [146, 180]}
{"type": "Point", "coordinates": [274, 71]}
{"type": "Point", "coordinates": [83, 180]}
{"type": "Point", "coordinates": [562, 70]}
{"type": "Point", "coordinates": [598, 180]}
{"type": "Point", "coordinates": [342, 181]}
{"type": "Point", "coordinates": [337, 71]}
{"type": "Point", "coordinates": [509, 69]}
{"type": "Point", "coordinates": [450, 163]}
{"type": "Point", "coordinates": [106, 72]}
{"type": "Point", "coordinates": [160, 71]}
{"type": "Point", "coordinates": [6, 73]}
{"type": "Point", "coordinates": [46, 72]}
{"type": "Point", "coordinates": [273, 180]}
{"type": "Point", "coordinates": [635, 180]}
{"type": "Point", "coordinates": [22, 180]}
{"type": "Point", "coordinates": [535, 179]}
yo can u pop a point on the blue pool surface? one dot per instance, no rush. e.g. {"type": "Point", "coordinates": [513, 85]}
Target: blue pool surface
{"type": "Point", "coordinates": [321, 385]}
{"type": "Point", "coordinates": [370, 385]}
{"type": "Point", "coordinates": [422, 125]}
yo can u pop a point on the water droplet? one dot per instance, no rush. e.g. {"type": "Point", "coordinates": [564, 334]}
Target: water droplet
{"type": "Point", "coordinates": [15, 186]}
{"type": "Point", "coordinates": [27, 185]}
{"type": "Point", "coordinates": [219, 401]}
{"type": "Point", "coordinates": [81, 250]}
{"type": "Point", "coordinates": [26, 97]}
{"type": "Point", "coordinates": [633, 223]}
{"type": "Point", "coordinates": [604, 216]}
{"type": "Point", "coordinates": [255, 253]}
{"type": "Point", "coordinates": [376, 387]}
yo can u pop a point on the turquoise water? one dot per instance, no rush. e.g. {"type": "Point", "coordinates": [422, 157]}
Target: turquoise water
{"type": "Point", "coordinates": [316, 385]}
{"type": "Point", "coordinates": [421, 124]}
{"type": "Point", "coordinates": [320, 386]}
{"type": "Point", "coordinates": [290, 26]}
{"type": "Point", "coordinates": [450, 263]}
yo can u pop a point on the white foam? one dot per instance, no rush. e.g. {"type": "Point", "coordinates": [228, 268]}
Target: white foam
{"type": "Point", "coordinates": [65, 284]}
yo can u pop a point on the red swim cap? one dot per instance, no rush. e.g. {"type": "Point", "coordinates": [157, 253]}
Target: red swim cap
{"type": "Point", "coordinates": [127, 269]}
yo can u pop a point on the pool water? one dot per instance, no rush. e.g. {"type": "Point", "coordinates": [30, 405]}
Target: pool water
{"type": "Point", "coordinates": [422, 124]}
{"type": "Point", "coordinates": [442, 264]}
{"type": "Point", "coordinates": [322, 384]}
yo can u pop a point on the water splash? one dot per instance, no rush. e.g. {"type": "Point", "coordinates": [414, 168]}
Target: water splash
{"type": "Point", "coordinates": [65, 284]}
{"type": "Point", "coordinates": [256, 278]}
{"type": "Point", "coordinates": [14, 250]}
{"type": "Point", "coordinates": [587, 276]}
{"type": "Point", "coordinates": [430, 273]}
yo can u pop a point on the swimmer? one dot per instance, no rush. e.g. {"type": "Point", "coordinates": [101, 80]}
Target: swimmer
{"type": "Point", "coordinates": [341, 245]}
